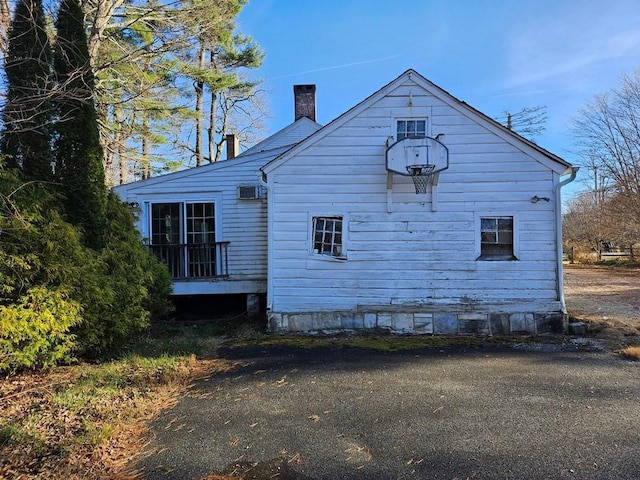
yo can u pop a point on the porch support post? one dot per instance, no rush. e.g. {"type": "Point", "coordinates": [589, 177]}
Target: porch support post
{"type": "Point", "coordinates": [253, 306]}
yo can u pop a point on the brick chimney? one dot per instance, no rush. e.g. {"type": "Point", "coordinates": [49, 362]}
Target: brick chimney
{"type": "Point", "coordinates": [305, 101]}
{"type": "Point", "coordinates": [233, 145]}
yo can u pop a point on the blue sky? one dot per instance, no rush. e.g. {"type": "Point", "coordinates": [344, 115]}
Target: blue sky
{"type": "Point", "coordinates": [496, 55]}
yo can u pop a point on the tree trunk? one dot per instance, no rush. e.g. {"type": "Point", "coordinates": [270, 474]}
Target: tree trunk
{"type": "Point", "coordinates": [214, 149]}
{"type": "Point", "coordinates": [118, 147]}
{"type": "Point", "coordinates": [199, 87]}
{"type": "Point", "coordinates": [5, 22]}
{"type": "Point", "coordinates": [214, 155]}
{"type": "Point", "coordinates": [146, 162]}
{"type": "Point", "coordinates": [102, 117]}
{"type": "Point", "coordinates": [102, 15]}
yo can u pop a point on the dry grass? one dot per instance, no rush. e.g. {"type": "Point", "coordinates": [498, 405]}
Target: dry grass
{"type": "Point", "coordinates": [87, 421]}
{"type": "Point", "coordinates": [631, 352]}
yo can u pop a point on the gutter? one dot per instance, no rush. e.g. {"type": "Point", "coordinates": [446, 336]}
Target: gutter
{"type": "Point", "coordinates": [262, 178]}
{"type": "Point", "coordinates": [560, 281]}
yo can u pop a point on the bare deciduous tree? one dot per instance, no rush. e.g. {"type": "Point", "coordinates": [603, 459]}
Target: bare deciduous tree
{"type": "Point", "coordinates": [607, 133]}
{"type": "Point", "coordinates": [528, 122]}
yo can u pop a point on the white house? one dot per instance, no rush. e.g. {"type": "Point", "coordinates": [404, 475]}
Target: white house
{"type": "Point", "coordinates": [344, 240]}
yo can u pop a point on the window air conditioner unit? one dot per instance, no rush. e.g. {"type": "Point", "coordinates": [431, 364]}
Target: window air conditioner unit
{"type": "Point", "coordinates": [248, 192]}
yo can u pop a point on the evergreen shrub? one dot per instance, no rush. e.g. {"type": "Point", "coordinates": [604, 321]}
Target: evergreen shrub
{"type": "Point", "coordinates": [35, 331]}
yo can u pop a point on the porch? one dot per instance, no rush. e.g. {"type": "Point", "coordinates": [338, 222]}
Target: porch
{"type": "Point", "coordinates": [207, 260]}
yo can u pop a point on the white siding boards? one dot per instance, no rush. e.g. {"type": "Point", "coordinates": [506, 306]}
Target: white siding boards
{"type": "Point", "coordinates": [314, 217]}
{"type": "Point", "coordinates": [414, 262]}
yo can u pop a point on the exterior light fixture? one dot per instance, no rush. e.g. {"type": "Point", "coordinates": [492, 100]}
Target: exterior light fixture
{"type": "Point", "coordinates": [536, 199]}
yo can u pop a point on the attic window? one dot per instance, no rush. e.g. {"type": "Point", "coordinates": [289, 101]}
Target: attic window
{"type": "Point", "coordinates": [411, 128]}
{"type": "Point", "coordinates": [496, 238]}
{"type": "Point", "coordinates": [327, 236]}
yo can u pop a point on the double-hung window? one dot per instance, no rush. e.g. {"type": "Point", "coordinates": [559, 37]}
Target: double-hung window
{"type": "Point", "coordinates": [496, 238]}
{"type": "Point", "coordinates": [327, 236]}
{"type": "Point", "coordinates": [411, 128]}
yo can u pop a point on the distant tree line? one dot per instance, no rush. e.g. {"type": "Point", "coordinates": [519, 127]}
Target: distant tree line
{"type": "Point", "coordinates": [607, 131]}
{"type": "Point", "coordinates": [75, 278]}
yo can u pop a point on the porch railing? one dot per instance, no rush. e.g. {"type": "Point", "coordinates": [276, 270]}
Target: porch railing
{"type": "Point", "coordinates": [194, 260]}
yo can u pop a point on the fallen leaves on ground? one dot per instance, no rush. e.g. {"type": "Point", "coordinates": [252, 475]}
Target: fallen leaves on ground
{"type": "Point", "coordinates": [67, 423]}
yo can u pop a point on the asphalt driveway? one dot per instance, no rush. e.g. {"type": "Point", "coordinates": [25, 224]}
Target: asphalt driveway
{"type": "Point", "coordinates": [340, 413]}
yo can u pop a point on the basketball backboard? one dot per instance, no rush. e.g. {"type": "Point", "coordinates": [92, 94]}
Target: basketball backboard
{"type": "Point", "coordinates": [405, 156]}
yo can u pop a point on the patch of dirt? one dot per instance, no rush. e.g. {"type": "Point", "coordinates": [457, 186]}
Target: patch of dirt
{"type": "Point", "coordinates": [607, 299]}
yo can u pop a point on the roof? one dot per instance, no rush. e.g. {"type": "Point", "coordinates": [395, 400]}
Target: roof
{"type": "Point", "coordinates": [462, 107]}
{"type": "Point", "coordinates": [289, 135]}
{"type": "Point", "coordinates": [267, 150]}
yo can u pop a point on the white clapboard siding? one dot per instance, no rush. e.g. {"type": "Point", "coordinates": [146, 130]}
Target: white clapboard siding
{"type": "Point", "coordinates": [398, 248]}
{"type": "Point", "coordinates": [242, 223]}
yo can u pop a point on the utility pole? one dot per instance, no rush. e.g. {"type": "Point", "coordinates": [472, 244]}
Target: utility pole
{"type": "Point", "coordinates": [597, 203]}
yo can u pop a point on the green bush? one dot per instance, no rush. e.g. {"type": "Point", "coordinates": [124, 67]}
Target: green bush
{"type": "Point", "coordinates": [35, 331]}
{"type": "Point", "coordinates": [120, 286]}
{"type": "Point", "coordinates": [116, 288]}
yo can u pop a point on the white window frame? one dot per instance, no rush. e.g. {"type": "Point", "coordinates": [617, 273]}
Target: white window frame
{"type": "Point", "coordinates": [398, 114]}
{"type": "Point", "coordinates": [213, 197]}
{"type": "Point", "coordinates": [422, 134]}
{"type": "Point", "coordinates": [515, 241]}
{"type": "Point", "coordinates": [311, 238]}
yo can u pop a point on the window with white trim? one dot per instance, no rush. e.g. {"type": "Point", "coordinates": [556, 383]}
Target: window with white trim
{"type": "Point", "coordinates": [327, 236]}
{"type": "Point", "coordinates": [183, 235]}
{"type": "Point", "coordinates": [411, 128]}
{"type": "Point", "coordinates": [496, 238]}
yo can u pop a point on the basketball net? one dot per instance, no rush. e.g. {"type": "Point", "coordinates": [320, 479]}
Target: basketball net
{"type": "Point", "coordinates": [421, 175]}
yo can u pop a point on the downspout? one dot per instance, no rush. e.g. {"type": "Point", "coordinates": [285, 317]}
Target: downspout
{"type": "Point", "coordinates": [262, 178]}
{"type": "Point", "coordinates": [560, 281]}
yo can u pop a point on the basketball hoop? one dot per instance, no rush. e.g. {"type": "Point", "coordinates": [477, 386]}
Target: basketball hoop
{"type": "Point", "coordinates": [421, 174]}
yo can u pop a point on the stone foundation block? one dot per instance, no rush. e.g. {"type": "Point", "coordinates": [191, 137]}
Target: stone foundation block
{"type": "Point", "coordinates": [300, 322]}
{"type": "Point", "coordinates": [352, 321]}
{"type": "Point", "coordinates": [277, 323]}
{"type": "Point", "coordinates": [473, 323]}
{"type": "Point", "coordinates": [370, 320]}
{"type": "Point", "coordinates": [499, 323]}
{"type": "Point", "coordinates": [402, 322]}
{"type": "Point", "coordinates": [423, 322]}
{"type": "Point", "coordinates": [327, 321]}
{"type": "Point", "coordinates": [517, 323]}
{"type": "Point", "coordinates": [577, 328]}
{"type": "Point", "coordinates": [549, 322]}
{"type": "Point", "coordinates": [530, 323]}
{"type": "Point", "coordinates": [445, 323]}
{"type": "Point", "coordinates": [385, 320]}
{"type": "Point", "coordinates": [253, 305]}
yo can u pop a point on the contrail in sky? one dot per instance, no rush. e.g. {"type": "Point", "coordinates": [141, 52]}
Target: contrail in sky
{"type": "Point", "coordinates": [335, 67]}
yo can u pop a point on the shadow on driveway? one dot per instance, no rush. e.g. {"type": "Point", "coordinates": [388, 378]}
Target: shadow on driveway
{"type": "Point", "coordinates": [331, 413]}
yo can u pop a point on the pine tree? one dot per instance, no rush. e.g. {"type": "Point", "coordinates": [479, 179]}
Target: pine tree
{"type": "Point", "coordinates": [77, 149]}
{"type": "Point", "coordinates": [27, 116]}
